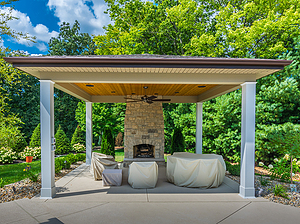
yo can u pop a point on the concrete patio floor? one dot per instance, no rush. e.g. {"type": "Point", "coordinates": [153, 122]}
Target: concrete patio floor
{"type": "Point", "coordinates": [80, 199]}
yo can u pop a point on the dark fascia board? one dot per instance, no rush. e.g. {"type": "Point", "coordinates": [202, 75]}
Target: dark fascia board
{"type": "Point", "coordinates": [69, 61]}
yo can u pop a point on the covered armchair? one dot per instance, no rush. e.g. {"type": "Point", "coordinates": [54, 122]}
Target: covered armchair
{"type": "Point", "coordinates": [101, 162]}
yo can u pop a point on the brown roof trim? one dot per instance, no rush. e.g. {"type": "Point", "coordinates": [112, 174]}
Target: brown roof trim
{"type": "Point", "coordinates": [71, 61]}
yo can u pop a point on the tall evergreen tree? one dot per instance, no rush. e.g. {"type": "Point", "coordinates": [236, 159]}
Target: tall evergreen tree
{"type": "Point", "coordinates": [63, 145]}
{"type": "Point", "coordinates": [108, 142]}
{"type": "Point", "coordinates": [177, 144]}
{"type": "Point", "coordinates": [35, 140]}
{"type": "Point", "coordinates": [78, 137]}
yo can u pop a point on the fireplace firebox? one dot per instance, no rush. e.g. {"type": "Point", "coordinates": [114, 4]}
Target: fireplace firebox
{"type": "Point", "coordinates": [143, 151]}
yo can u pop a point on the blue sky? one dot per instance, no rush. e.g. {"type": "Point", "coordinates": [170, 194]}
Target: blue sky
{"type": "Point", "coordinates": [41, 18]}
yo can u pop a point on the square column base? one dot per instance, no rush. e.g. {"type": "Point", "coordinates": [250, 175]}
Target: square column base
{"type": "Point", "coordinates": [48, 193]}
{"type": "Point", "coordinates": [247, 192]}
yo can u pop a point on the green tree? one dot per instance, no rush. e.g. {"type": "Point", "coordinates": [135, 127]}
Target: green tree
{"type": "Point", "coordinates": [78, 137]}
{"type": "Point", "coordinates": [71, 42]}
{"type": "Point", "coordinates": [108, 142]}
{"type": "Point", "coordinates": [160, 27]}
{"type": "Point", "coordinates": [35, 140]}
{"type": "Point", "coordinates": [104, 115]}
{"type": "Point", "coordinates": [260, 29]}
{"type": "Point", "coordinates": [63, 145]}
{"type": "Point", "coordinates": [177, 144]}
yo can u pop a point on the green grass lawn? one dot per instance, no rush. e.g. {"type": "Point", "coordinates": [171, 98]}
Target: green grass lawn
{"type": "Point", "coordinates": [14, 172]}
{"type": "Point", "coordinates": [11, 173]}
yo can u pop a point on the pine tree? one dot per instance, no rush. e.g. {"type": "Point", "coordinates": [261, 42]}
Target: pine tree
{"type": "Point", "coordinates": [108, 143]}
{"type": "Point", "coordinates": [63, 145]}
{"type": "Point", "coordinates": [177, 144]}
{"type": "Point", "coordinates": [77, 137]}
{"type": "Point", "coordinates": [35, 140]}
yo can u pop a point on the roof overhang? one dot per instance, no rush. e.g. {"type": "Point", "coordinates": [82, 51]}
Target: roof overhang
{"type": "Point", "coordinates": [173, 77]}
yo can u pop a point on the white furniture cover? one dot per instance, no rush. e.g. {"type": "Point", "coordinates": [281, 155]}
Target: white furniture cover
{"type": "Point", "coordinates": [101, 162]}
{"type": "Point", "coordinates": [195, 170]}
{"type": "Point", "coordinates": [112, 177]}
{"type": "Point", "coordinates": [143, 174]}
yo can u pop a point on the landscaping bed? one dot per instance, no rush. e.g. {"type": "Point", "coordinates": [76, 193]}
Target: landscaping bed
{"type": "Point", "coordinates": [27, 188]}
{"type": "Point", "coordinates": [264, 187]}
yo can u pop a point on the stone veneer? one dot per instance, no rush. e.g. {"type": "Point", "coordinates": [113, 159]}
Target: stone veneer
{"type": "Point", "coordinates": [144, 124]}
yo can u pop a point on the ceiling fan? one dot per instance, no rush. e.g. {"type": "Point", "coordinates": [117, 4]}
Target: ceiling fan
{"type": "Point", "coordinates": [146, 99]}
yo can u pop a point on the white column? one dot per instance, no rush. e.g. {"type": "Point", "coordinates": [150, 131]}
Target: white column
{"type": "Point", "coordinates": [247, 189]}
{"type": "Point", "coordinates": [47, 135]}
{"type": "Point", "coordinates": [89, 132]}
{"type": "Point", "coordinates": [199, 112]}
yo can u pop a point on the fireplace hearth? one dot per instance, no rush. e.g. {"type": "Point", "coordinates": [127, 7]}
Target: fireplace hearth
{"type": "Point", "coordinates": [143, 151]}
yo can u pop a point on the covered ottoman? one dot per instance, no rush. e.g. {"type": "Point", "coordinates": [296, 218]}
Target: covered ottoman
{"type": "Point", "coordinates": [143, 174]}
{"type": "Point", "coordinates": [112, 177]}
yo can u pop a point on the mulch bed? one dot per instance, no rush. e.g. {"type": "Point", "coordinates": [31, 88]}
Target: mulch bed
{"type": "Point", "coordinates": [28, 189]}
{"type": "Point", "coordinates": [264, 188]}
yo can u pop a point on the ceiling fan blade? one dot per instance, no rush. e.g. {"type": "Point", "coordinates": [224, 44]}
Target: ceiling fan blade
{"type": "Point", "coordinates": [161, 100]}
{"type": "Point", "coordinates": [152, 97]}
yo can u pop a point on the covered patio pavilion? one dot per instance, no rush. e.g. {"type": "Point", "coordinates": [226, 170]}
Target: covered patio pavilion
{"type": "Point", "coordinates": [108, 79]}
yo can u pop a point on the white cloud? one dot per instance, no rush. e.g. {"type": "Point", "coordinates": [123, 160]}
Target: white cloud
{"type": "Point", "coordinates": [90, 14]}
{"type": "Point", "coordinates": [24, 25]}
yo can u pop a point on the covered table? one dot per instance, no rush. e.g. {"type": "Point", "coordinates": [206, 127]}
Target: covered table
{"type": "Point", "coordinates": [143, 174]}
{"type": "Point", "coordinates": [101, 162]}
{"type": "Point", "coordinates": [195, 170]}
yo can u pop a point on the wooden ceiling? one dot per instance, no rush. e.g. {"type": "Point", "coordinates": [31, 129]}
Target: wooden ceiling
{"type": "Point", "coordinates": [120, 89]}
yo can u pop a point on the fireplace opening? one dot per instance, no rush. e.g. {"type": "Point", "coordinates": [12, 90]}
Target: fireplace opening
{"type": "Point", "coordinates": [143, 151]}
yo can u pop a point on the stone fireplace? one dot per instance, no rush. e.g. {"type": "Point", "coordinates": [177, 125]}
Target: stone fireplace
{"type": "Point", "coordinates": [143, 132]}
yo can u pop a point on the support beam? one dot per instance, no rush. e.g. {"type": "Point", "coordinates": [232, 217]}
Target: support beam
{"type": "Point", "coordinates": [89, 133]}
{"type": "Point", "coordinates": [199, 115]}
{"type": "Point", "coordinates": [247, 189]}
{"type": "Point", "coordinates": [47, 135]}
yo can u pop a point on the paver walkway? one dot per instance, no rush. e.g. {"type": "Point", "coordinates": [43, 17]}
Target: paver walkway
{"type": "Point", "coordinates": [80, 199]}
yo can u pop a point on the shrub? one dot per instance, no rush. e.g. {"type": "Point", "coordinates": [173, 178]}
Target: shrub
{"type": "Point", "coordinates": [78, 137]}
{"type": "Point", "coordinates": [71, 158]}
{"type": "Point", "coordinates": [119, 139]}
{"type": "Point", "coordinates": [35, 152]}
{"type": "Point", "coordinates": [7, 155]}
{"type": "Point", "coordinates": [63, 145]}
{"type": "Point", "coordinates": [81, 157]}
{"type": "Point", "coordinates": [78, 147]}
{"type": "Point", "coordinates": [108, 143]}
{"type": "Point", "coordinates": [35, 140]}
{"type": "Point", "coordinates": [177, 144]}
{"type": "Point", "coordinates": [233, 169]}
{"type": "Point", "coordinates": [62, 163]}
{"type": "Point", "coordinates": [20, 144]}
